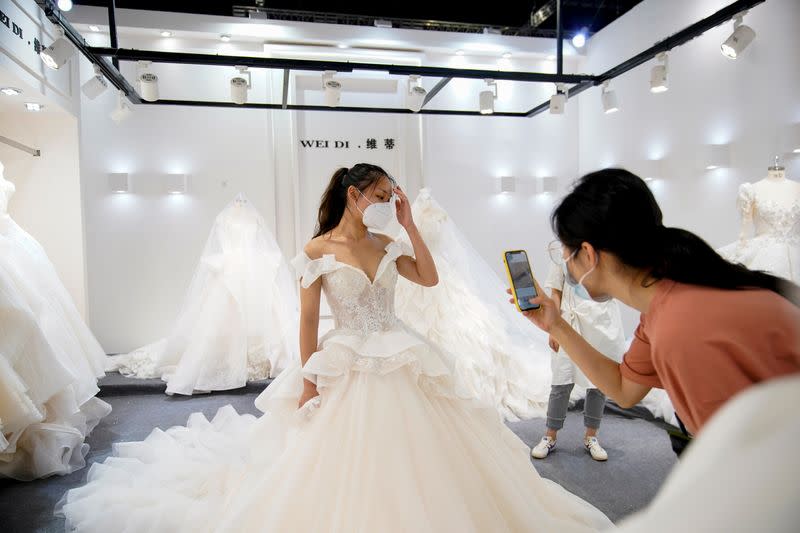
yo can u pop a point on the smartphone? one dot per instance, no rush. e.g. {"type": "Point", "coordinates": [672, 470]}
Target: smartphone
{"type": "Point", "coordinates": [521, 279]}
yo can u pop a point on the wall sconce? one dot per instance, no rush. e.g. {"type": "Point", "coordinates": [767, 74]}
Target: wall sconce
{"type": "Point", "coordinates": [651, 169]}
{"type": "Point", "coordinates": [176, 183]}
{"type": "Point", "coordinates": [549, 185]}
{"type": "Point", "coordinates": [119, 183]}
{"type": "Point", "coordinates": [717, 156]}
{"type": "Point", "coordinates": [506, 184]}
{"type": "Point", "coordinates": [793, 138]}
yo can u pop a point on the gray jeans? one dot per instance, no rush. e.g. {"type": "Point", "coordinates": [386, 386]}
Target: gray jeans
{"type": "Point", "coordinates": [559, 403]}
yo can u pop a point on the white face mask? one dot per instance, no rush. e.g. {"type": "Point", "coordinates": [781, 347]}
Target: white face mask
{"type": "Point", "coordinates": [377, 215]}
{"type": "Point", "coordinates": [577, 285]}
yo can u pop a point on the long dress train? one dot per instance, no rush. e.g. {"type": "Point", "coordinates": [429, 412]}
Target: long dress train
{"type": "Point", "coordinates": [393, 443]}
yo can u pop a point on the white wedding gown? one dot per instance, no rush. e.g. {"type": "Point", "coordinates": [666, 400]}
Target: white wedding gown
{"type": "Point", "coordinates": [239, 319]}
{"type": "Point", "coordinates": [775, 247]}
{"type": "Point", "coordinates": [49, 362]}
{"type": "Point", "coordinates": [500, 355]}
{"type": "Point", "coordinates": [390, 445]}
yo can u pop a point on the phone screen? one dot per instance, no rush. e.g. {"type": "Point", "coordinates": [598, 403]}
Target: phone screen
{"type": "Point", "coordinates": [522, 279]}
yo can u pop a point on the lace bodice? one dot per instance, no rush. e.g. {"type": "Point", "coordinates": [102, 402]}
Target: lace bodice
{"type": "Point", "coordinates": [770, 218]}
{"type": "Point", "coordinates": [357, 304]}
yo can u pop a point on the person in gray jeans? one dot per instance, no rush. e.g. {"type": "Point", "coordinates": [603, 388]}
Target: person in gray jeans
{"type": "Point", "coordinates": [601, 325]}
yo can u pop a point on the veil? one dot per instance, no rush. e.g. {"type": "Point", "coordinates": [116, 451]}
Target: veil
{"type": "Point", "coordinates": [239, 318]}
{"type": "Point", "coordinates": [500, 355]}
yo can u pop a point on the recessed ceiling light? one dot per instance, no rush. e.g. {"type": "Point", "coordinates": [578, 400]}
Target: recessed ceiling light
{"type": "Point", "coordinates": [459, 52]}
{"type": "Point", "coordinates": [225, 38]}
{"type": "Point", "coordinates": [33, 106]}
{"type": "Point", "coordinates": [166, 33]}
{"type": "Point", "coordinates": [507, 55]}
{"type": "Point", "coordinates": [94, 28]}
{"type": "Point", "coordinates": [342, 46]}
{"type": "Point", "coordinates": [10, 91]}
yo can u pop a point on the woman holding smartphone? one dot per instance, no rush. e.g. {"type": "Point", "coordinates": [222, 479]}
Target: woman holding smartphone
{"type": "Point", "coordinates": [709, 328]}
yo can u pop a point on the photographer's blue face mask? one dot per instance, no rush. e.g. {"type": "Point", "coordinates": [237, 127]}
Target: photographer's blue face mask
{"type": "Point", "coordinates": [577, 285]}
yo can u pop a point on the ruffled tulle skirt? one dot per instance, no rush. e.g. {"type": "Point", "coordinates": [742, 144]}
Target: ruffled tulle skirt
{"type": "Point", "coordinates": [778, 256]}
{"type": "Point", "coordinates": [47, 386]}
{"type": "Point", "coordinates": [391, 444]}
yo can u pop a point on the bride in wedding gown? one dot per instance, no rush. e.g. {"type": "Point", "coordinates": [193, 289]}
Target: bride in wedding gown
{"type": "Point", "coordinates": [239, 318]}
{"type": "Point", "coordinates": [502, 359]}
{"type": "Point", "coordinates": [385, 439]}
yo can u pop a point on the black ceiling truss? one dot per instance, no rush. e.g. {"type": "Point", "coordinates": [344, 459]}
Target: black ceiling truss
{"type": "Point", "coordinates": [579, 82]}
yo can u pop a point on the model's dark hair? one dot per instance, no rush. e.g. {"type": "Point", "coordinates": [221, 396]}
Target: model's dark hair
{"type": "Point", "coordinates": [615, 211]}
{"type": "Point", "coordinates": [334, 199]}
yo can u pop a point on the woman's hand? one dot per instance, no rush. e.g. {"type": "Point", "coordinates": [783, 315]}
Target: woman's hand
{"type": "Point", "coordinates": [403, 208]}
{"type": "Point", "coordinates": [548, 314]}
{"type": "Point", "coordinates": [309, 392]}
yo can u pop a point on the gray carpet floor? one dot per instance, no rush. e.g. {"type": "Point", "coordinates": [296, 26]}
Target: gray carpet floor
{"type": "Point", "coordinates": [639, 452]}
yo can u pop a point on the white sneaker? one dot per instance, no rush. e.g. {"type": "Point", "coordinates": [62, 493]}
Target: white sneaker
{"type": "Point", "coordinates": [593, 447]}
{"type": "Point", "coordinates": [541, 450]}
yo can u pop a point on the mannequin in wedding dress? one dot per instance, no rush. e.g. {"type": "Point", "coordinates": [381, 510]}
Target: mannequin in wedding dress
{"type": "Point", "coordinates": [49, 362]}
{"type": "Point", "coordinates": [238, 322]}
{"type": "Point", "coordinates": [770, 210]}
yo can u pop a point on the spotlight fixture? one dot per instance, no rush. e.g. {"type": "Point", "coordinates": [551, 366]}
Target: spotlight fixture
{"type": "Point", "coordinates": [10, 91]}
{"type": "Point", "coordinates": [94, 28]}
{"type": "Point", "coordinates": [33, 106]}
{"type": "Point", "coordinates": [148, 82]}
{"type": "Point", "coordinates": [225, 38]}
{"type": "Point", "coordinates": [64, 5]}
{"type": "Point", "coordinates": [123, 109]}
{"type": "Point", "coordinates": [558, 102]}
{"type": "Point", "coordinates": [658, 75]}
{"type": "Point", "coordinates": [416, 93]}
{"type": "Point", "coordinates": [507, 55]}
{"type": "Point", "coordinates": [487, 97]}
{"type": "Point", "coordinates": [459, 52]}
{"type": "Point", "coordinates": [57, 54]}
{"type": "Point", "coordinates": [119, 182]}
{"type": "Point", "coordinates": [579, 39]}
{"type": "Point", "coordinates": [166, 33]}
{"type": "Point", "coordinates": [741, 37]}
{"type": "Point", "coordinates": [609, 99]}
{"type": "Point", "coordinates": [96, 85]}
{"type": "Point", "coordinates": [240, 83]}
{"type": "Point", "coordinates": [332, 88]}
{"type": "Point", "coordinates": [342, 46]}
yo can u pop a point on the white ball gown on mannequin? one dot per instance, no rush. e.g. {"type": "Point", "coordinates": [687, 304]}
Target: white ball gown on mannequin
{"type": "Point", "coordinates": [775, 217]}
{"type": "Point", "coordinates": [498, 353]}
{"type": "Point", "coordinates": [239, 318]}
{"type": "Point", "coordinates": [391, 444]}
{"type": "Point", "coordinates": [49, 362]}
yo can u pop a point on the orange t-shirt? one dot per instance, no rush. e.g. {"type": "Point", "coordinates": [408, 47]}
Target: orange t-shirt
{"type": "Point", "coordinates": [705, 345]}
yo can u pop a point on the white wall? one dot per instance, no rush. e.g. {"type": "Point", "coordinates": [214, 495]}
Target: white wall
{"type": "Point", "coordinates": [143, 247]}
{"type": "Point", "coordinates": [711, 100]}
{"type": "Point", "coordinates": [47, 203]}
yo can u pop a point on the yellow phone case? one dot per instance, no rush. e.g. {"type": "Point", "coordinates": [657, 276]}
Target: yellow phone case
{"type": "Point", "coordinates": [510, 279]}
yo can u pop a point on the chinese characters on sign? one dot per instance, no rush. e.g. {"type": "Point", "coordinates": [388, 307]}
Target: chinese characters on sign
{"type": "Point", "coordinates": [370, 144]}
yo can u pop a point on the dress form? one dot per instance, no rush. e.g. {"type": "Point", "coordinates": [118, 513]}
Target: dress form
{"type": "Point", "coordinates": [774, 189]}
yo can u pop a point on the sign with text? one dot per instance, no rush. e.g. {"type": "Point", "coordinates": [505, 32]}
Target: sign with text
{"type": "Point", "coordinates": [367, 144]}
